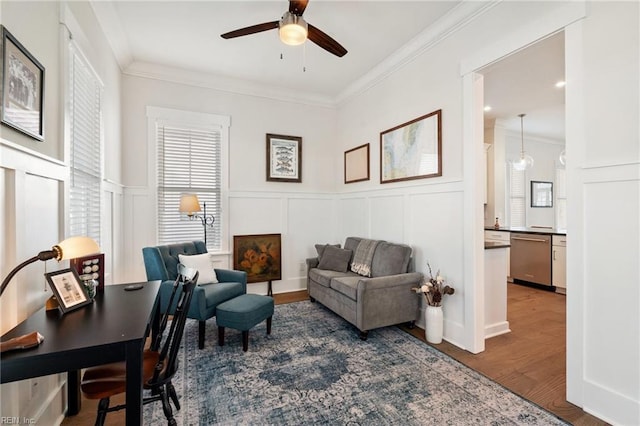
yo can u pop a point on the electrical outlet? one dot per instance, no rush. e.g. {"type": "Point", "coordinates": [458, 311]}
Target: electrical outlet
{"type": "Point", "coordinates": [303, 267]}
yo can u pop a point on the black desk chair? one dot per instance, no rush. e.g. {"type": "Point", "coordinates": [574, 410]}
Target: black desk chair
{"type": "Point", "coordinates": [159, 362]}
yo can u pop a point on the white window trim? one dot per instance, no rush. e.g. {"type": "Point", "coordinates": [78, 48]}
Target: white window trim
{"type": "Point", "coordinates": [166, 116]}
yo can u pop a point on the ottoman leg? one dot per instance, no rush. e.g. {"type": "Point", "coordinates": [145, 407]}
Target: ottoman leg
{"type": "Point", "coordinates": [269, 325]}
{"type": "Point", "coordinates": [221, 336]}
{"type": "Point", "coordinates": [245, 340]}
{"type": "Point", "coordinates": [200, 334]}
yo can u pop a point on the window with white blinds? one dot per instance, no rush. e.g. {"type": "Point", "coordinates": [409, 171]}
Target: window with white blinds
{"type": "Point", "coordinates": [517, 197]}
{"type": "Point", "coordinates": [85, 116]}
{"type": "Point", "coordinates": [189, 161]}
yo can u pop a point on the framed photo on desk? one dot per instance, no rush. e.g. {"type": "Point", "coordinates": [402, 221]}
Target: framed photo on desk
{"type": "Point", "coordinates": [69, 291]}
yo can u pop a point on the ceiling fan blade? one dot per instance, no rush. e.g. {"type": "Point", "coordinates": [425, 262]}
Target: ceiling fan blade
{"type": "Point", "coordinates": [297, 7]}
{"type": "Point", "coordinates": [325, 41]}
{"type": "Point", "coordinates": [251, 30]}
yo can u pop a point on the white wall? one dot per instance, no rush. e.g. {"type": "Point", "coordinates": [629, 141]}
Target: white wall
{"type": "Point", "coordinates": [301, 212]}
{"type": "Point", "coordinates": [545, 155]}
{"type": "Point", "coordinates": [602, 146]}
{"type": "Point", "coordinates": [603, 246]}
{"type": "Point", "coordinates": [34, 177]}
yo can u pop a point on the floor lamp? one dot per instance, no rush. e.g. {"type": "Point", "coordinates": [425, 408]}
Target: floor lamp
{"type": "Point", "coordinates": [68, 249]}
{"type": "Point", "coordinates": [190, 204]}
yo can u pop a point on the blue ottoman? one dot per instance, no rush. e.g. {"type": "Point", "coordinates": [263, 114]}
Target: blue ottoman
{"type": "Point", "coordinates": [243, 313]}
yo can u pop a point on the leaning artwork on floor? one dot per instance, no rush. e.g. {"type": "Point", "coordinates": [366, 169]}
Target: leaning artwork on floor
{"type": "Point", "coordinates": [313, 369]}
{"type": "Point", "coordinates": [258, 256]}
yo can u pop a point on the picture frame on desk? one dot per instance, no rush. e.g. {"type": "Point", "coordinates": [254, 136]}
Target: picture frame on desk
{"type": "Point", "coordinates": [68, 289]}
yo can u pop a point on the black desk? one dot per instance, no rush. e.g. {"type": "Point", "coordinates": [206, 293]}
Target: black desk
{"type": "Point", "coordinates": [111, 329]}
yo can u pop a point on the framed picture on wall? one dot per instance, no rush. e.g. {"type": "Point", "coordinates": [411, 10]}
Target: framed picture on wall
{"type": "Point", "coordinates": [356, 164]}
{"type": "Point", "coordinates": [284, 158]}
{"type": "Point", "coordinates": [541, 194]}
{"type": "Point", "coordinates": [22, 88]}
{"type": "Point", "coordinates": [412, 150]}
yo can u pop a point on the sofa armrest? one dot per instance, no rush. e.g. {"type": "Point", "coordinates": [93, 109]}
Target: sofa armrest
{"type": "Point", "coordinates": [230, 275]}
{"type": "Point", "coordinates": [312, 262]}
{"type": "Point", "coordinates": [387, 300]}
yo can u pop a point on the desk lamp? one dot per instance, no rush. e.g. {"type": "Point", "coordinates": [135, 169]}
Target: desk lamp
{"type": "Point", "coordinates": [68, 249]}
{"type": "Point", "coordinates": [190, 204]}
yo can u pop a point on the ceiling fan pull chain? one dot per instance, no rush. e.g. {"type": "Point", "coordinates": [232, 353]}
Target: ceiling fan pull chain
{"type": "Point", "coordinates": [304, 57]}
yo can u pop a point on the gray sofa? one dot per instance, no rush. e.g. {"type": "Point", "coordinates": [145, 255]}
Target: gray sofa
{"type": "Point", "coordinates": [384, 298]}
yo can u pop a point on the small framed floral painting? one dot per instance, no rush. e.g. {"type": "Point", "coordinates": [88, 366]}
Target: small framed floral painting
{"type": "Point", "coordinates": [258, 256]}
{"type": "Point", "coordinates": [69, 291]}
{"type": "Point", "coordinates": [412, 150]}
{"type": "Point", "coordinates": [284, 158]}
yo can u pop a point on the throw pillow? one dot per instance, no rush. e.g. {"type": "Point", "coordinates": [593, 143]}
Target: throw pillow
{"type": "Point", "coordinates": [320, 249]}
{"type": "Point", "coordinates": [203, 263]}
{"type": "Point", "coordinates": [335, 259]}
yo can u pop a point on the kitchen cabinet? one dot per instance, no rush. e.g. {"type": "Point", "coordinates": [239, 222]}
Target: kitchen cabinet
{"type": "Point", "coordinates": [559, 263]}
{"type": "Point", "coordinates": [500, 237]}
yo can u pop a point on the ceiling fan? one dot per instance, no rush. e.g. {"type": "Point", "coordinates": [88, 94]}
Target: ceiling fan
{"type": "Point", "coordinates": [293, 30]}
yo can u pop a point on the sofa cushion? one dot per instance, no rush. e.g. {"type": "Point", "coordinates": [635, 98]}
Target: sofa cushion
{"type": "Point", "coordinates": [347, 285]}
{"type": "Point", "coordinates": [335, 259]}
{"type": "Point", "coordinates": [390, 259]}
{"type": "Point", "coordinates": [320, 249]}
{"type": "Point", "coordinates": [351, 243]}
{"type": "Point", "coordinates": [203, 263]}
{"type": "Point", "coordinates": [324, 276]}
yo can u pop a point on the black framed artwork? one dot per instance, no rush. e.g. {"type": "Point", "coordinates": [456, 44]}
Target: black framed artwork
{"type": "Point", "coordinates": [68, 289]}
{"type": "Point", "coordinates": [541, 194]}
{"type": "Point", "coordinates": [22, 88]}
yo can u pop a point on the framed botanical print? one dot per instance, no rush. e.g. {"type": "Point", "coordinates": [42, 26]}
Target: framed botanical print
{"type": "Point", "coordinates": [284, 158]}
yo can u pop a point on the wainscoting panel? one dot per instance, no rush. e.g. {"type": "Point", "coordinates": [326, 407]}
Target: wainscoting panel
{"type": "Point", "coordinates": [610, 290]}
{"type": "Point", "coordinates": [32, 190]}
{"type": "Point", "coordinates": [387, 217]}
{"type": "Point", "coordinates": [354, 216]}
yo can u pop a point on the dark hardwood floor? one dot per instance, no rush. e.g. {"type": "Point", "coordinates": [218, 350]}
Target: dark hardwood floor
{"type": "Point", "coordinates": [529, 361]}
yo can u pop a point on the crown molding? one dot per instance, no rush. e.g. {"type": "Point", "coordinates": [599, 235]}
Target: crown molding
{"type": "Point", "coordinates": [226, 84]}
{"type": "Point", "coordinates": [455, 19]}
{"type": "Point", "coordinates": [114, 33]}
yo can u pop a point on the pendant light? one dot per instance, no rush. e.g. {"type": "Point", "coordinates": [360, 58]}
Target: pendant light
{"type": "Point", "coordinates": [525, 161]}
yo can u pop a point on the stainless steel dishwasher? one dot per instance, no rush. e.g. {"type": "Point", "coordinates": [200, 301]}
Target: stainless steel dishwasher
{"type": "Point", "coordinates": [531, 258]}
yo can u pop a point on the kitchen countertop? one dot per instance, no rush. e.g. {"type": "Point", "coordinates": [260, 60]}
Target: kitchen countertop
{"type": "Point", "coordinates": [528, 230]}
{"type": "Point", "coordinates": [490, 245]}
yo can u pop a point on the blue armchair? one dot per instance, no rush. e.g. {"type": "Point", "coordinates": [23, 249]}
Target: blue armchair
{"type": "Point", "coordinates": [161, 263]}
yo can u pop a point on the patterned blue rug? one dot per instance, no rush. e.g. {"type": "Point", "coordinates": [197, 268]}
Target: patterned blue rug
{"type": "Point", "coordinates": [313, 369]}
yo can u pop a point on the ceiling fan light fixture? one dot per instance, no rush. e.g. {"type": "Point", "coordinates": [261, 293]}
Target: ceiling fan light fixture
{"type": "Point", "coordinates": [292, 29]}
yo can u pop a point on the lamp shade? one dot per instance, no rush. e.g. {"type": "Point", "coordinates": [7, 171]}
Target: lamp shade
{"type": "Point", "coordinates": [189, 203]}
{"type": "Point", "coordinates": [293, 29]}
{"type": "Point", "coordinates": [76, 247]}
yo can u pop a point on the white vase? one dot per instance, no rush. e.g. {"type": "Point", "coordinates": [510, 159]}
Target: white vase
{"type": "Point", "coordinates": [433, 324]}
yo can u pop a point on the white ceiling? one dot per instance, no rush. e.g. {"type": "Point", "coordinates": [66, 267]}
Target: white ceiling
{"type": "Point", "coordinates": [186, 35]}
{"type": "Point", "coordinates": [524, 82]}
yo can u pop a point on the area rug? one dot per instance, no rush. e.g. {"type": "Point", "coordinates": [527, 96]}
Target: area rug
{"type": "Point", "coordinates": [313, 369]}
